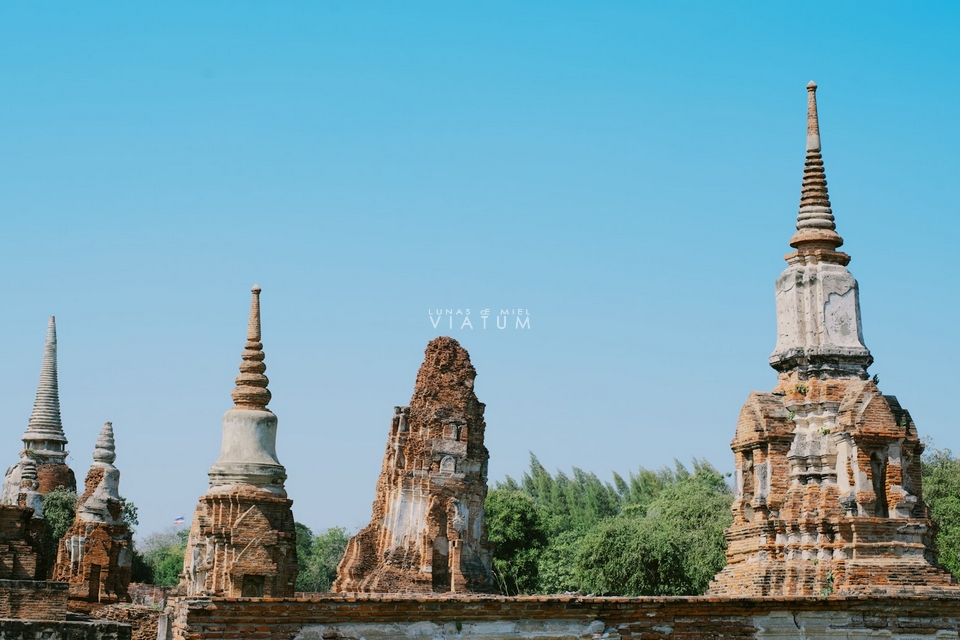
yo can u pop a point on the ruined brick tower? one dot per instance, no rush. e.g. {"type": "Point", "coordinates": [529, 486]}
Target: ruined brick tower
{"type": "Point", "coordinates": [44, 441]}
{"type": "Point", "coordinates": [427, 533]}
{"type": "Point", "coordinates": [828, 496]}
{"type": "Point", "coordinates": [243, 541]}
{"type": "Point", "coordinates": [95, 555]}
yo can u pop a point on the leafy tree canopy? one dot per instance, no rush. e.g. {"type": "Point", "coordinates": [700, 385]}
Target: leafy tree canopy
{"type": "Point", "coordinates": [654, 532]}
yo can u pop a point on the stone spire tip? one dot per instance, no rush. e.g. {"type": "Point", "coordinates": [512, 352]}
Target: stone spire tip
{"type": "Point", "coordinates": [816, 231]}
{"type": "Point", "coordinates": [813, 122]}
{"type": "Point", "coordinates": [251, 391]}
{"type": "Point", "coordinates": [105, 449]}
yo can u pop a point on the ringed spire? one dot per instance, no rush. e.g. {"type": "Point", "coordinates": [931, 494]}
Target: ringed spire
{"type": "Point", "coordinates": [45, 426]}
{"type": "Point", "coordinates": [251, 391]}
{"type": "Point", "coordinates": [816, 230]}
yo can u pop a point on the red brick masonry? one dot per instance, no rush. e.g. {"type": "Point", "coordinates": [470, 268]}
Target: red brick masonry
{"type": "Point", "coordinates": [343, 616]}
{"type": "Point", "coordinates": [33, 600]}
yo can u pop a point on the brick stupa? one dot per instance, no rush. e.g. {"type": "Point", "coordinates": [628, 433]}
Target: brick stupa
{"type": "Point", "coordinates": [44, 441]}
{"type": "Point", "coordinates": [95, 554]}
{"type": "Point", "coordinates": [242, 541]}
{"type": "Point", "coordinates": [427, 533]}
{"type": "Point", "coordinates": [828, 490]}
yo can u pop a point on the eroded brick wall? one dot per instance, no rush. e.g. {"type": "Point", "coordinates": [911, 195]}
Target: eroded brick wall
{"type": "Point", "coordinates": [33, 600]}
{"type": "Point", "coordinates": [351, 617]}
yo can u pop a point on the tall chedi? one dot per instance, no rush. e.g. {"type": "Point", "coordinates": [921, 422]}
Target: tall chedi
{"type": "Point", "coordinates": [242, 541]}
{"type": "Point", "coordinates": [428, 532]}
{"type": "Point", "coordinates": [44, 441]}
{"type": "Point", "coordinates": [828, 496]}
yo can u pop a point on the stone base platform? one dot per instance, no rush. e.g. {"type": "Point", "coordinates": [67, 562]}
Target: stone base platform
{"type": "Point", "coordinates": [378, 617]}
{"type": "Point", "coordinates": [62, 630]}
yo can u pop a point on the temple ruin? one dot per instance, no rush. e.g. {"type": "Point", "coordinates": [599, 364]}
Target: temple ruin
{"type": "Point", "coordinates": [243, 541]}
{"type": "Point", "coordinates": [44, 441]}
{"type": "Point", "coordinates": [95, 554]}
{"type": "Point", "coordinates": [21, 530]}
{"type": "Point", "coordinates": [427, 533]}
{"type": "Point", "coordinates": [829, 497]}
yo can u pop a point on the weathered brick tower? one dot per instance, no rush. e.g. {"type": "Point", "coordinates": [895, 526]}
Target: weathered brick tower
{"type": "Point", "coordinates": [95, 555]}
{"type": "Point", "coordinates": [21, 531]}
{"type": "Point", "coordinates": [43, 441]}
{"type": "Point", "coordinates": [828, 496]}
{"type": "Point", "coordinates": [243, 541]}
{"type": "Point", "coordinates": [428, 533]}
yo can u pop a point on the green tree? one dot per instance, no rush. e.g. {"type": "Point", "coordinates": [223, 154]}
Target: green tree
{"type": "Point", "coordinates": [567, 503]}
{"type": "Point", "coordinates": [515, 528]}
{"type": "Point", "coordinates": [941, 491]}
{"type": "Point", "coordinates": [59, 510]}
{"type": "Point", "coordinates": [320, 564]}
{"type": "Point", "coordinates": [304, 549]}
{"type": "Point", "coordinates": [163, 552]}
{"type": "Point", "coordinates": [129, 514]}
{"type": "Point", "coordinates": [556, 563]}
{"type": "Point", "coordinates": [673, 546]}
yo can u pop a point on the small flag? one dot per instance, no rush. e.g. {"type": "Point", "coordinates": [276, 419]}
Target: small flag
{"type": "Point", "coordinates": [180, 520]}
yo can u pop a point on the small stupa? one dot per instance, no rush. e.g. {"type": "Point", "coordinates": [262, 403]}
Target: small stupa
{"type": "Point", "coordinates": [95, 555]}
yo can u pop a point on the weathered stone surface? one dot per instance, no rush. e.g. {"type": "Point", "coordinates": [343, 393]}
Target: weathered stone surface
{"type": "Point", "coordinates": [95, 554]}
{"type": "Point", "coordinates": [375, 617]}
{"type": "Point", "coordinates": [428, 533]}
{"type": "Point", "coordinates": [829, 493]}
{"type": "Point", "coordinates": [243, 540]}
{"type": "Point", "coordinates": [44, 441]}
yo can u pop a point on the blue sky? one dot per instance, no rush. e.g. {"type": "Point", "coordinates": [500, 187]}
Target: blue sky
{"type": "Point", "coordinates": [627, 172]}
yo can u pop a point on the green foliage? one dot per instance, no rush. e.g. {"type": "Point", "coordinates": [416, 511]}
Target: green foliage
{"type": "Point", "coordinates": [653, 533]}
{"type": "Point", "coordinates": [129, 514]}
{"type": "Point", "coordinates": [674, 548]}
{"type": "Point", "coordinates": [515, 528]}
{"type": "Point", "coordinates": [59, 510]}
{"type": "Point", "coordinates": [163, 553]}
{"type": "Point", "coordinates": [304, 547]}
{"type": "Point", "coordinates": [318, 557]}
{"type": "Point", "coordinates": [564, 502]}
{"type": "Point", "coordinates": [557, 562]}
{"type": "Point", "coordinates": [941, 491]}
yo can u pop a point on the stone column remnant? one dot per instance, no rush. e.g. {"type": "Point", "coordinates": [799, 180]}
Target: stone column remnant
{"type": "Point", "coordinates": [428, 533]}
{"type": "Point", "coordinates": [242, 540]}
{"type": "Point", "coordinates": [44, 441]}
{"type": "Point", "coordinates": [829, 497]}
{"type": "Point", "coordinates": [95, 554]}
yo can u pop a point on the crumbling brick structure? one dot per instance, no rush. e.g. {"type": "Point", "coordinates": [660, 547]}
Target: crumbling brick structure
{"type": "Point", "coordinates": [428, 533]}
{"type": "Point", "coordinates": [828, 490]}
{"type": "Point", "coordinates": [21, 544]}
{"type": "Point", "coordinates": [95, 554]}
{"type": "Point", "coordinates": [44, 441]}
{"type": "Point", "coordinates": [242, 540]}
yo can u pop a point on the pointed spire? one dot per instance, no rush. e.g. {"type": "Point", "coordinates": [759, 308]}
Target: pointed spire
{"type": "Point", "coordinates": [45, 424]}
{"type": "Point", "coordinates": [251, 391]}
{"type": "Point", "coordinates": [105, 449]}
{"type": "Point", "coordinates": [815, 226]}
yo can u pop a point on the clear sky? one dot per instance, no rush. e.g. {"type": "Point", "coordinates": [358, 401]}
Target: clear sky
{"type": "Point", "coordinates": [629, 172]}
